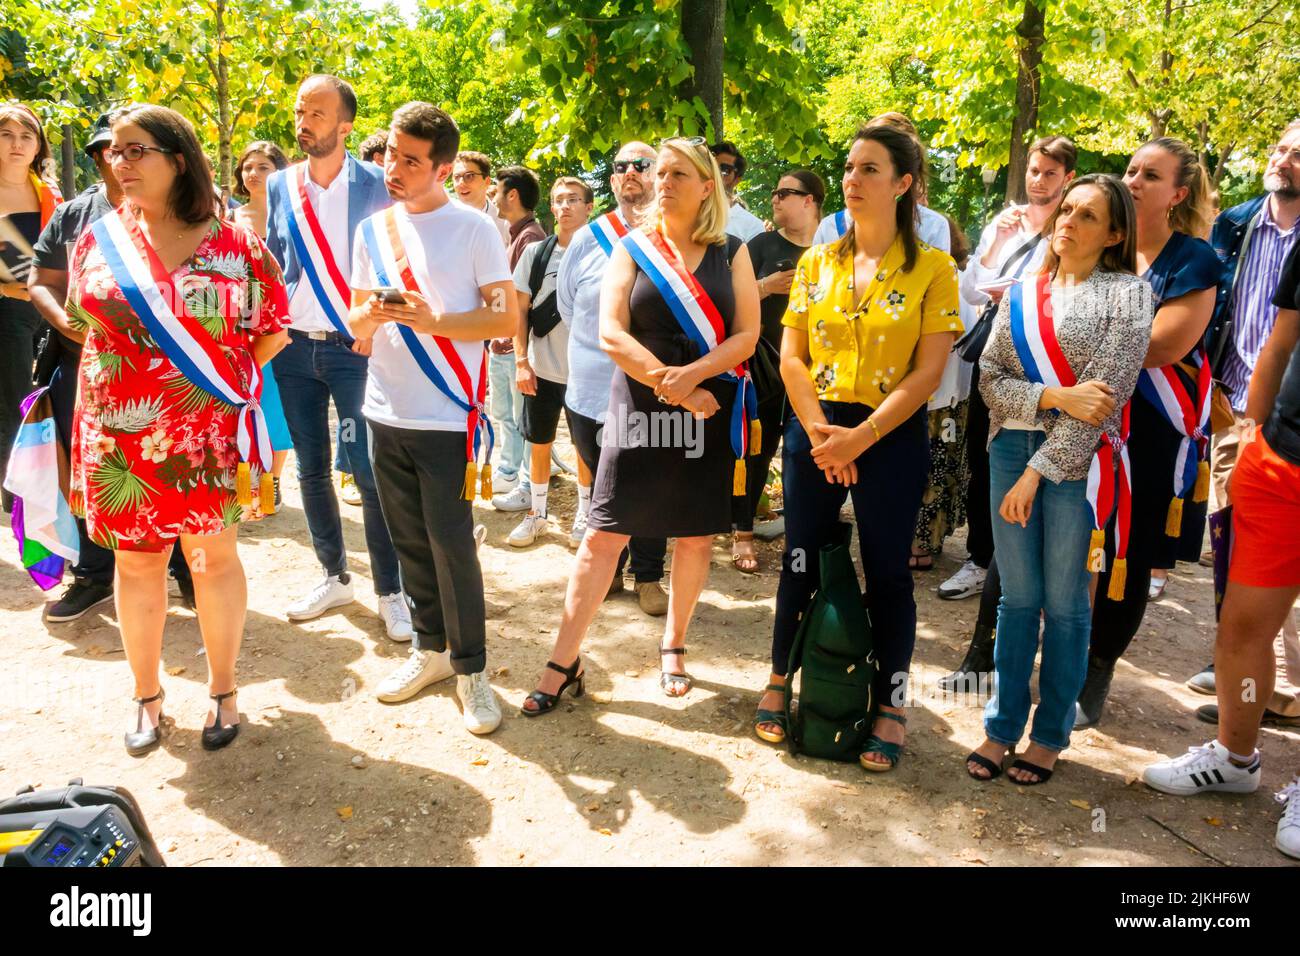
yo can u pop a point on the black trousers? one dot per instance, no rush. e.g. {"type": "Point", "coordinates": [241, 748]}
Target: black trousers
{"type": "Point", "coordinates": [979, 517]}
{"type": "Point", "coordinates": [646, 554]}
{"type": "Point", "coordinates": [419, 476]}
{"type": "Point", "coordinates": [756, 467]}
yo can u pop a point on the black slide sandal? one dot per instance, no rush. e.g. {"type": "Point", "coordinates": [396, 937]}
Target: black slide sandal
{"type": "Point", "coordinates": [994, 769]}
{"type": "Point", "coordinates": [1044, 774]}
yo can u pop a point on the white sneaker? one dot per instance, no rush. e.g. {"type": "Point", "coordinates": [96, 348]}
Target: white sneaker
{"type": "Point", "coordinates": [527, 530]}
{"type": "Point", "coordinates": [482, 712]}
{"type": "Point", "coordinates": [579, 529]}
{"type": "Point", "coordinates": [421, 669]}
{"type": "Point", "coordinates": [1200, 770]}
{"type": "Point", "coordinates": [967, 582]}
{"type": "Point", "coordinates": [501, 485]}
{"type": "Point", "coordinates": [397, 616]}
{"type": "Point", "coordinates": [519, 499]}
{"type": "Point", "coordinates": [1288, 828]}
{"type": "Point", "coordinates": [330, 593]}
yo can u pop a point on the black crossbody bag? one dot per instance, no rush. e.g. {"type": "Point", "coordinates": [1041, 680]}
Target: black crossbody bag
{"type": "Point", "coordinates": [971, 345]}
{"type": "Point", "coordinates": [542, 316]}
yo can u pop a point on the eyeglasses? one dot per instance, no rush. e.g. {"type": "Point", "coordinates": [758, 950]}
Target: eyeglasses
{"type": "Point", "coordinates": [787, 193]}
{"type": "Point", "coordinates": [466, 177]}
{"type": "Point", "coordinates": [1292, 155]}
{"type": "Point", "coordinates": [640, 165]}
{"type": "Point", "coordinates": [727, 169]}
{"type": "Point", "coordinates": [132, 152]}
{"type": "Point", "coordinates": [684, 140]}
{"type": "Point", "coordinates": [563, 201]}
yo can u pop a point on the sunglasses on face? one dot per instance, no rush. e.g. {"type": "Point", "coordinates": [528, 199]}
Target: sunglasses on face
{"type": "Point", "coordinates": [787, 193]}
{"type": "Point", "coordinates": [640, 165]}
{"type": "Point", "coordinates": [132, 152]}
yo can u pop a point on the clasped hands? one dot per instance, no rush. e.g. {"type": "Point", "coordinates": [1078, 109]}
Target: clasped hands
{"type": "Point", "coordinates": [835, 450]}
{"type": "Point", "coordinates": [680, 385]}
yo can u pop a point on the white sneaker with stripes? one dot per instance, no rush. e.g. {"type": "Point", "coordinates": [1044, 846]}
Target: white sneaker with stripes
{"type": "Point", "coordinates": [1202, 769]}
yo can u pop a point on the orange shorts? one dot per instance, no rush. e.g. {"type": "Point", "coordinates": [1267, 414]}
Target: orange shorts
{"type": "Point", "coordinates": [1265, 493]}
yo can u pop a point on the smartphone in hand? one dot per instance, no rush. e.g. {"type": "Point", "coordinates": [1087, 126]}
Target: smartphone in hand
{"type": "Point", "coordinates": [389, 295]}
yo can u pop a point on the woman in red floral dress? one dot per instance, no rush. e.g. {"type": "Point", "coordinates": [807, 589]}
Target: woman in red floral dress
{"type": "Point", "coordinates": [154, 456]}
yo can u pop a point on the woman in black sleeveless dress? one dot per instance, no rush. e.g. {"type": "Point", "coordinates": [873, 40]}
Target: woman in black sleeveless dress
{"type": "Point", "coordinates": [666, 463]}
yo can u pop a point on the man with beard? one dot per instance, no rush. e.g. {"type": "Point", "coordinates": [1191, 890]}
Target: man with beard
{"type": "Point", "coordinates": [424, 396]}
{"type": "Point", "coordinates": [1253, 240]}
{"type": "Point", "coordinates": [591, 371]}
{"type": "Point", "coordinates": [313, 210]}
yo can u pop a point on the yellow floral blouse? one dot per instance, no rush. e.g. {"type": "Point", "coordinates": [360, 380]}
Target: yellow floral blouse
{"type": "Point", "coordinates": [860, 355]}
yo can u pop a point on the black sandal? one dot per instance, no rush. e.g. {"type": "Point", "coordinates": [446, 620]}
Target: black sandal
{"type": "Point", "coordinates": [547, 702]}
{"type": "Point", "coordinates": [1043, 773]}
{"type": "Point", "coordinates": [994, 769]}
{"type": "Point", "coordinates": [665, 678]}
{"type": "Point", "coordinates": [217, 736]}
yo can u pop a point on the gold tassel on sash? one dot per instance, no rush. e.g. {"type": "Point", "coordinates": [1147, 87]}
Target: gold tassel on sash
{"type": "Point", "coordinates": [1097, 543]}
{"type": "Point", "coordinates": [244, 485]}
{"type": "Point", "coordinates": [738, 485]}
{"type": "Point", "coordinates": [266, 492]}
{"type": "Point", "coordinates": [1202, 490]}
{"type": "Point", "coordinates": [471, 479]}
{"type": "Point", "coordinates": [755, 437]}
{"type": "Point", "coordinates": [1174, 519]}
{"type": "Point", "coordinates": [1118, 579]}
{"type": "Point", "coordinates": [485, 483]}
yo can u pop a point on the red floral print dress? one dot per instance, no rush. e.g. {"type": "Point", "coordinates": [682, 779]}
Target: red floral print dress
{"type": "Point", "coordinates": [153, 455]}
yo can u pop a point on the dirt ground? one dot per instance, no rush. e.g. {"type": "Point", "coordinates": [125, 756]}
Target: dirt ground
{"type": "Point", "coordinates": [322, 773]}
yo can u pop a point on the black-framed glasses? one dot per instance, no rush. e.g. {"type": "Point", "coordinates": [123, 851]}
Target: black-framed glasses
{"type": "Point", "coordinates": [132, 152]}
{"type": "Point", "coordinates": [787, 193]}
{"type": "Point", "coordinates": [466, 177]}
{"type": "Point", "coordinates": [641, 165]}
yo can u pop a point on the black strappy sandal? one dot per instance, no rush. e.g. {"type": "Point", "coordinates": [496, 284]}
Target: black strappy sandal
{"type": "Point", "coordinates": [141, 741]}
{"type": "Point", "coordinates": [994, 769]}
{"type": "Point", "coordinates": [545, 702]}
{"type": "Point", "coordinates": [665, 678]}
{"type": "Point", "coordinates": [217, 736]}
{"type": "Point", "coordinates": [1044, 774]}
{"type": "Point", "coordinates": [776, 718]}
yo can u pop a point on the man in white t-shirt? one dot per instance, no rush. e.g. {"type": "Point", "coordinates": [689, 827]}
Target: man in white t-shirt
{"type": "Point", "coordinates": [542, 354]}
{"type": "Point", "coordinates": [418, 432]}
{"type": "Point", "coordinates": [741, 223]}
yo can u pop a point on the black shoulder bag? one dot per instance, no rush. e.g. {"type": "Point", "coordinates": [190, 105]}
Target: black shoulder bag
{"type": "Point", "coordinates": [971, 345]}
{"type": "Point", "coordinates": [545, 315]}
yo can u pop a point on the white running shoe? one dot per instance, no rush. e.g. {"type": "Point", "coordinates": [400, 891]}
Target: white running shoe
{"type": "Point", "coordinates": [967, 582]}
{"type": "Point", "coordinates": [501, 485]}
{"type": "Point", "coordinates": [520, 499]}
{"type": "Point", "coordinates": [579, 529]}
{"type": "Point", "coordinates": [482, 712]}
{"type": "Point", "coordinates": [421, 669]}
{"type": "Point", "coordinates": [330, 593]}
{"type": "Point", "coordinates": [527, 530]}
{"type": "Point", "coordinates": [397, 616]}
{"type": "Point", "coordinates": [1201, 770]}
{"type": "Point", "coordinates": [1288, 828]}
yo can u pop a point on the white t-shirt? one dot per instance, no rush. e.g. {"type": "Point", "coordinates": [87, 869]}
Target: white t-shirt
{"type": "Point", "coordinates": [453, 251]}
{"type": "Point", "coordinates": [548, 354]}
{"type": "Point", "coordinates": [742, 223]}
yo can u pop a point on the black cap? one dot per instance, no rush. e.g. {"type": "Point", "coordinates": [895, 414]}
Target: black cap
{"type": "Point", "coordinates": [100, 135]}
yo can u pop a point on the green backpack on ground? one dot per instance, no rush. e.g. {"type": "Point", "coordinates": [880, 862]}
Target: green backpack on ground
{"type": "Point", "coordinates": [833, 650]}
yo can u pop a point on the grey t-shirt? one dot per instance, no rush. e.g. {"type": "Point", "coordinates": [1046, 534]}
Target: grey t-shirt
{"type": "Point", "coordinates": [549, 354]}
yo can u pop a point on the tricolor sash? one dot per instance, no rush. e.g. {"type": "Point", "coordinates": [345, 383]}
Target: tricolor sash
{"type": "Point", "coordinates": [700, 320]}
{"type": "Point", "coordinates": [141, 275]}
{"type": "Point", "coordinates": [317, 260]}
{"type": "Point", "coordinates": [48, 196]}
{"type": "Point", "coordinates": [609, 230]}
{"type": "Point", "coordinates": [1189, 415]}
{"type": "Point", "coordinates": [1033, 333]}
{"type": "Point", "coordinates": [841, 223]}
{"type": "Point", "coordinates": [441, 364]}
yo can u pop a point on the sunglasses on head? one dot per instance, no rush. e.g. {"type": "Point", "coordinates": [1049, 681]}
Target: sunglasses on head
{"type": "Point", "coordinates": [640, 165]}
{"type": "Point", "coordinates": [787, 193]}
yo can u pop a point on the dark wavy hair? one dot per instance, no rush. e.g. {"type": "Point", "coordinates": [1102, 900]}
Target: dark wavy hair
{"type": "Point", "coordinates": [192, 198]}
{"type": "Point", "coordinates": [1121, 257]}
{"type": "Point", "coordinates": [906, 157]}
{"type": "Point", "coordinates": [266, 148]}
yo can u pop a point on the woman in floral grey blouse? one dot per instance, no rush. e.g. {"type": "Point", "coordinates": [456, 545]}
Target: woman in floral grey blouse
{"type": "Point", "coordinates": [1061, 363]}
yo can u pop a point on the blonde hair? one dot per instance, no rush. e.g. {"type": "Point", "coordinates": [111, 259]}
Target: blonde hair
{"type": "Point", "coordinates": [711, 221]}
{"type": "Point", "coordinates": [1193, 215]}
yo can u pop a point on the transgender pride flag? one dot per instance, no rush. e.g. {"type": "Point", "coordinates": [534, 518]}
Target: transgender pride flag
{"type": "Point", "coordinates": [37, 477]}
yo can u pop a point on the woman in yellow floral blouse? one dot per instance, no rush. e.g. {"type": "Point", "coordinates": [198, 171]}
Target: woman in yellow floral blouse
{"type": "Point", "coordinates": [870, 323]}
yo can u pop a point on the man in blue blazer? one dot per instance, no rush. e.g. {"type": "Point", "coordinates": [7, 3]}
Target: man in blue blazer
{"type": "Point", "coordinates": [313, 212]}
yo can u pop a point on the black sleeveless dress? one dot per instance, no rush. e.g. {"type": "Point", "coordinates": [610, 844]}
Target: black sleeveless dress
{"type": "Point", "coordinates": [662, 473]}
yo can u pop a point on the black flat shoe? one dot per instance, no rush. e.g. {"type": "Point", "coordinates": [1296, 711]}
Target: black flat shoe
{"type": "Point", "coordinates": [217, 736]}
{"type": "Point", "coordinates": [573, 676]}
{"type": "Point", "coordinates": [140, 741]}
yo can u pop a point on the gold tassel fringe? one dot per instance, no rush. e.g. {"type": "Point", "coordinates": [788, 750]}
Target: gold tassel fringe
{"type": "Point", "coordinates": [738, 479]}
{"type": "Point", "coordinates": [1202, 490]}
{"type": "Point", "coordinates": [1174, 519]}
{"type": "Point", "coordinates": [1118, 579]}
{"type": "Point", "coordinates": [471, 478]}
{"type": "Point", "coordinates": [266, 492]}
{"type": "Point", "coordinates": [1098, 543]}
{"type": "Point", "coordinates": [485, 483]}
{"type": "Point", "coordinates": [755, 437]}
{"type": "Point", "coordinates": [244, 485]}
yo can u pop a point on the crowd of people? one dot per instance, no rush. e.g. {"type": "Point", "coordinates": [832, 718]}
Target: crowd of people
{"type": "Point", "coordinates": [1072, 390]}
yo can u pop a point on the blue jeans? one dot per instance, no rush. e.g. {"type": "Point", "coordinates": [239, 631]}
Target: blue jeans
{"type": "Point", "coordinates": [310, 373]}
{"type": "Point", "coordinates": [506, 405]}
{"type": "Point", "coordinates": [1044, 575]}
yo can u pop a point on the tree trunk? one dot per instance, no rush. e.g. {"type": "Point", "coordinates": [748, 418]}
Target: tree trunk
{"type": "Point", "coordinates": [68, 175]}
{"type": "Point", "coordinates": [702, 29]}
{"type": "Point", "coordinates": [1030, 32]}
{"type": "Point", "coordinates": [226, 157]}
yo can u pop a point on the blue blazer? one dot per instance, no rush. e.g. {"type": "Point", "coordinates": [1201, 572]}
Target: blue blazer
{"type": "Point", "coordinates": [367, 194]}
